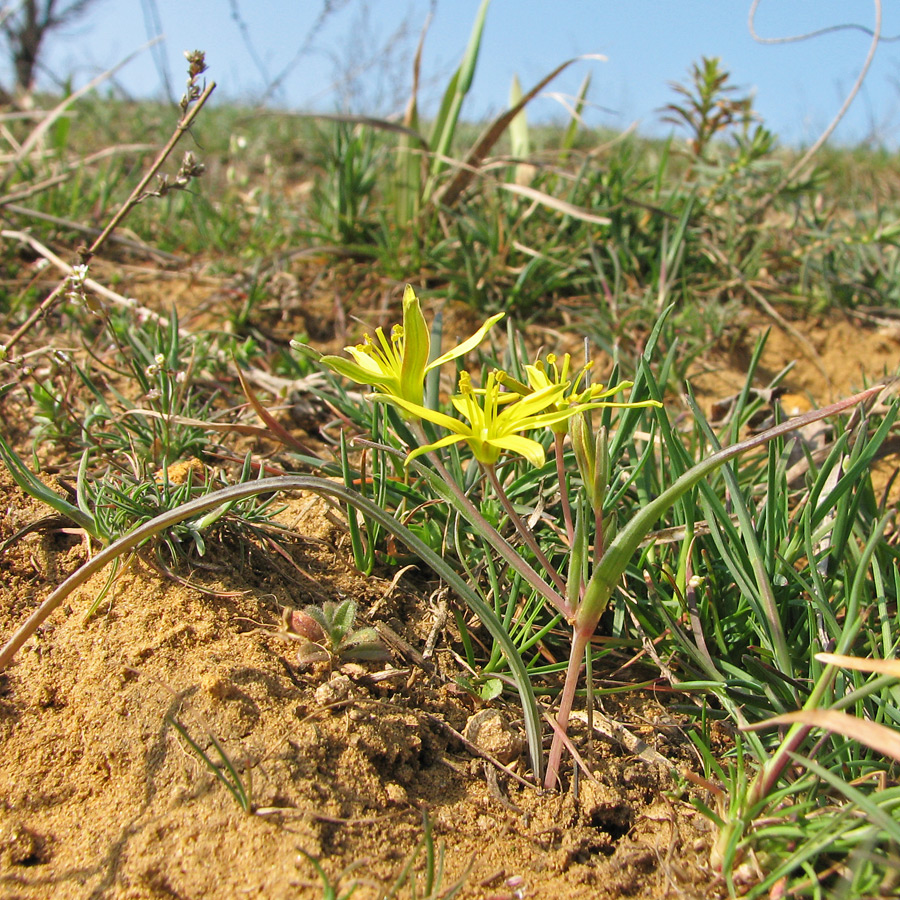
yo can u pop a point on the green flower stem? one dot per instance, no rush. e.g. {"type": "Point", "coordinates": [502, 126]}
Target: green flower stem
{"type": "Point", "coordinates": [599, 545]}
{"type": "Point", "coordinates": [558, 440]}
{"type": "Point", "coordinates": [493, 537]}
{"type": "Point", "coordinates": [525, 532]}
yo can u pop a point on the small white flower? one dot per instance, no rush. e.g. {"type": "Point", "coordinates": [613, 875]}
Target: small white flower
{"type": "Point", "coordinates": [155, 394]}
{"type": "Point", "coordinates": [79, 273]}
{"type": "Point", "coordinates": [181, 377]}
{"type": "Point", "coordinates": [159, 359]}
{"type": "Point", "coordinates": [152, 370]}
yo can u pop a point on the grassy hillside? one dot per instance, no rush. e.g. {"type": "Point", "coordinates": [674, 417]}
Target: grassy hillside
{"type": "Point", "coordinates": [618, 532]}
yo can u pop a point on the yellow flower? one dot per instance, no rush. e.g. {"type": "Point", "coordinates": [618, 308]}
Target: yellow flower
{"type": "Point", "coordinates": [397, 365]}
{"type": "Point", "coordinates": [543, 374]}
{"type": "Point", "coordinates": [495, 419]}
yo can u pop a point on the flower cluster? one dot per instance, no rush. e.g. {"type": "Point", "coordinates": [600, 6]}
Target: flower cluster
{"type": "Point", "coordinates": [154, 368]}
{"type": "Point", "coordinates": [494, 417]}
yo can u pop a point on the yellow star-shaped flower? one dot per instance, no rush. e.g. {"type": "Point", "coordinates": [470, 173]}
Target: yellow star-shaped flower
{"type": "Point", "coordinates": [495, 419]}
{"type": "Point", "coordinates": [397, 365]}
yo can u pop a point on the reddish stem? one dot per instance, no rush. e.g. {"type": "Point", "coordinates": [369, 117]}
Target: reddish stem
{"type": "Point", "coordinates": [526, 535]}
{"type": "Point", "coordinates": [580, 639]}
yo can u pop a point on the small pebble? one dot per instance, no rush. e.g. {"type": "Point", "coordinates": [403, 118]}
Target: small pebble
{"type": "Point", "coordinates": [396, 793]}
{"type": "Point", "coordinates": [334, 691]}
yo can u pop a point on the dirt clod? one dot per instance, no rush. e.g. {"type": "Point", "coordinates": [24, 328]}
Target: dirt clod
{"type": "Point", "coordinates": [20, 846]}
{"type": "Point", "coordinates": [489, 731]}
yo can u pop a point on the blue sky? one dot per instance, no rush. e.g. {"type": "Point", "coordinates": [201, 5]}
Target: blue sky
{"type": "Point", "coordinates": [798, 87]}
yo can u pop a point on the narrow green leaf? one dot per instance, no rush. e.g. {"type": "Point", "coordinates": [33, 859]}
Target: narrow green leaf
{"type": "Point", "coordinates": [454, 96]}
{"type": "Point", "coordinates": [622, 549]}
{"type": "Point", "coordinates": [34, 487]}
{"type": "Point", "coordinates": [518, 128]}
{"type": "Point", "coordinates": [568, 141]}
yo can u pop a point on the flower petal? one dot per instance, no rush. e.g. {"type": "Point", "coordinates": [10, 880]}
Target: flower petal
{"type": "Point", "coordinates": [423, 412]}
{"type": "Point", "coordinates": [523, 446]}
{"type": "Point", "coordinates": [537, 378]}
{"type": "Point", "coordinates": [530, 405]}
{"type": "Point", "coordinates": [365, 360]}
{"type": "Point", "coordinates": [445, 441]}
{"type": "Point", "coordinates": [466, 345]}
{"type": "Point", "coordinates": [416, 347]}
{"type": "Point", "coordinates": [361, 374]}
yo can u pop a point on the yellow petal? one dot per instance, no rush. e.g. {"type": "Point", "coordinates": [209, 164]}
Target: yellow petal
{"type": "Point", "coordinates": [468, 344]}
{"type": "Point", "coordinates": [416, 348]}
{"type": "Point", "coordinates": [523, 446]}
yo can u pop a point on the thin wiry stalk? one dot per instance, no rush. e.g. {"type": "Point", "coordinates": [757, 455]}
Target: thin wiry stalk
{"type": "Point", "coordinates": [558, 440]}
{"type": "Point", "coordinates": [137, 195]}
{"type": "Point", "coordinates": [524, 531]}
